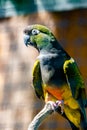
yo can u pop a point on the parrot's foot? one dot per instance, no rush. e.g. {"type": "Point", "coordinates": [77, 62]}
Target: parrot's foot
{"type": "Point", "coordinates": [55, 105]}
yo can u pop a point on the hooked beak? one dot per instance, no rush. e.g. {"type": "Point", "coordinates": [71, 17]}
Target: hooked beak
{"type": "Point", "coordinates": [28, 42]}
{"type": "Point", "coordinates": [26, 39]}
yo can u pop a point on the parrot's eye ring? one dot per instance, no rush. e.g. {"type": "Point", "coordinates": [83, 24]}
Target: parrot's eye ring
{"type": "Point", "coordinates": [35, 31]}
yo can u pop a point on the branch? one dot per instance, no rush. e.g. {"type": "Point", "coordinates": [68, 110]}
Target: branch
{"type": "Point", "coordinates": [47, 110]}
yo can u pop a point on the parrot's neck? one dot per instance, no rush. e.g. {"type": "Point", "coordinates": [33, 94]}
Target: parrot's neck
{"type": "Point", "coordinates": [53, 47]}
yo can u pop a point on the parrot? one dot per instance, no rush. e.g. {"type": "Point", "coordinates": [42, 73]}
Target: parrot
{"type": "Point", "coordinates": [56, 76]}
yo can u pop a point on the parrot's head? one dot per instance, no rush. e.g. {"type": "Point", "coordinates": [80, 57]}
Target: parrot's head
{"type": "Point", "coordinates": [38, 36]}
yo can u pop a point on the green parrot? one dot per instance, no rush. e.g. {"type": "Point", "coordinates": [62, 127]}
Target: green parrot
{"type": "Point", "coordinates": [56, 76]}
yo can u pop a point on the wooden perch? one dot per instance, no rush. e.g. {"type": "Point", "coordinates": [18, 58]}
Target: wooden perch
{"type": "Point", "coordinates": [47, 110]}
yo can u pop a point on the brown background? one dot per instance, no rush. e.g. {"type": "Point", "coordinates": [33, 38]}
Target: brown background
{"type": "Point", "coordinates": [18, 102]}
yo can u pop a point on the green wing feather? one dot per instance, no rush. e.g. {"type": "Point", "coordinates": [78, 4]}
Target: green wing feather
{"type": "Point", "coordinates": [37, 80]}
{"type": "Point", "coordinates": [75, 80]}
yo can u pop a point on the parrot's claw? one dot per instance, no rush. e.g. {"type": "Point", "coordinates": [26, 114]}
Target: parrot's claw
{"type": "Point", "coordinates": [55, 105]}
{"type": "Point", "coordinates": [60, 103]}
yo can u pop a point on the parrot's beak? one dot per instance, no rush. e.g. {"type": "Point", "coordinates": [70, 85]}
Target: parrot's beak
{"type": "Point", "coordinates": [28, 42]}
{"type": "Point", "coordinates": [26, 39]}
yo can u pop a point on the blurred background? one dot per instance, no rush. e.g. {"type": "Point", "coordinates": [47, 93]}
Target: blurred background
{"type": "Point", "coordinates": [68, 21]}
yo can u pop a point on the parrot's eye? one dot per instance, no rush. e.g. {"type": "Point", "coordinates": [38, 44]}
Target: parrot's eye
{"type": "Point", "coordinates": [35, 31]}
